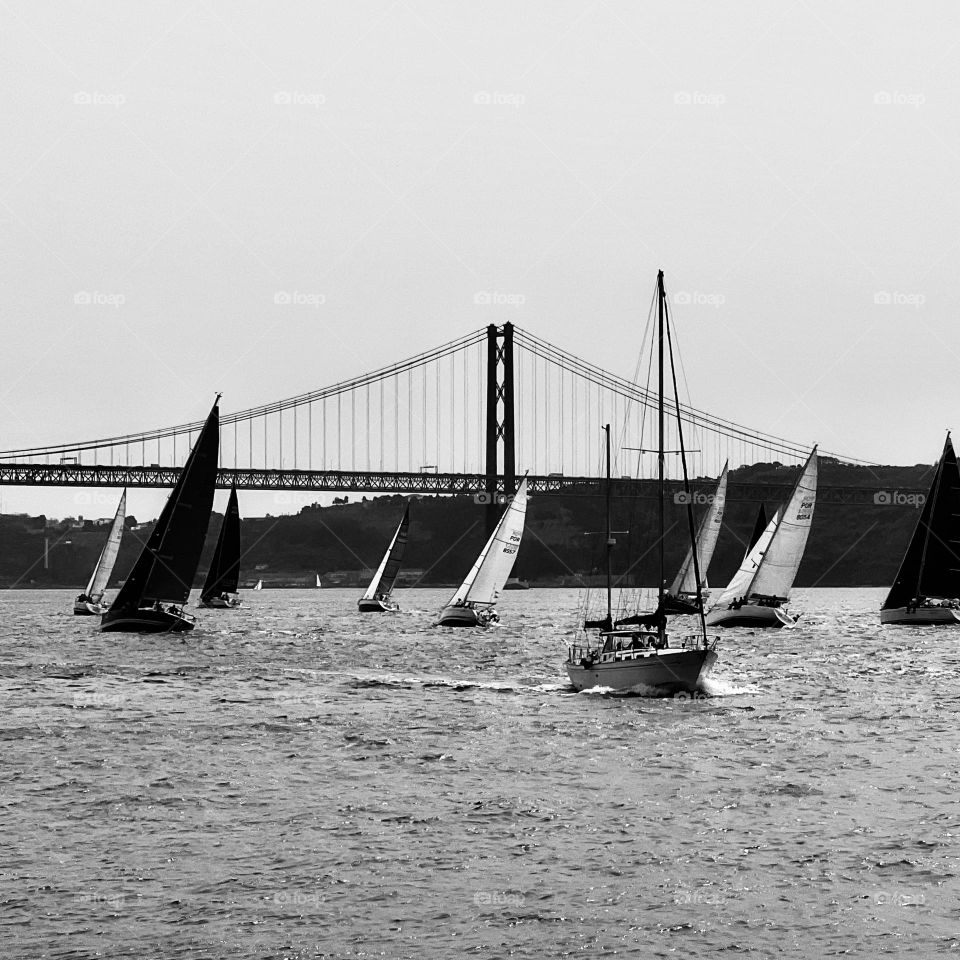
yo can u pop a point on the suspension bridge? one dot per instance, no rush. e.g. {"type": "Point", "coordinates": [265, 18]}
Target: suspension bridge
{"type": "Point", "coordinates": [458, 419]}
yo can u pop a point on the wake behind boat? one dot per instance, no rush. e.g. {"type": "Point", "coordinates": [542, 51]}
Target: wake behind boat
{"type": "Point", "coordinates": [635, 653]}
{"type": "Point", "coordinates": [91, 600]}
{"type": "Point", "coordinates": [473, 603]}
{"type": "Point", "coordinates": [377, 598]}
{"type": "Point", "coordinates": [223, 578]}
{"type": "Point", "coordinates": [928, 581]}
{"type": "Point", "coordinates": [168, 562]}
{"type": "Point", "coordinates": [756, 595]}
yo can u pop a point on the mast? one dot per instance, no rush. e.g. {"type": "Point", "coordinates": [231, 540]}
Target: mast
{"type": "Point", "coordinates": [610, 541]}
{"type": "Point", "coordinates": [660, 464]}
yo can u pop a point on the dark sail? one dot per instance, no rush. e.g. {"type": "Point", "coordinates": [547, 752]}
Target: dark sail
{"type": "Point", "coordinates": [758, 528]}
{"type": "Point", "coordinates": [931, 565]}
{"type": "Point", "coordinates": [168, 563]}
{"type": "Point", "coordinates": [392, 568]}
{"type": "Point", "coordinates": [224, 573]}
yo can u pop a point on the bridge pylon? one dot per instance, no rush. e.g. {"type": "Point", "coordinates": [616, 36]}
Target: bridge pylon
{"type": "Point", "coordinates": [501, 470]}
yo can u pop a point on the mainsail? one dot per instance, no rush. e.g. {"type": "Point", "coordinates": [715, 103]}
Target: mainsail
{"type": "Point", "coordinates": [492, 568]}
{"type": "Point", "coordinates": [738, 586]}
{"type": "Point", "coordinates": [165, 569]}
{"type": "Point", "coordinates": [108, 556]}
{"type": "Point", "coordinates": [224, 573]}
{"type": "Point", "coordinates": [383, 580]}
{"type": "Point", "coordinates": [931, 565]}
{"type": "Point", "coordinates": [685, 580]}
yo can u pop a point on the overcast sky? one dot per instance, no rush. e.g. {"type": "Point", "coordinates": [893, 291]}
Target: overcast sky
{"type": "Point", "coordinates": [169, 168]}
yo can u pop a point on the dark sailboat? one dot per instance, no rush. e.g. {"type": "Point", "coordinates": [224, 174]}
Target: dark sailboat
{"type": "Point", "coordinates": [164, 571]}
{"type": "Point", "coordinates": [223, 578]}
{"type": "Point", "coordinates": [927, 586]}
{"type": "Point", "coordinates": [377, 597]}
{"type": "Point", "coordinates": [635, 653]}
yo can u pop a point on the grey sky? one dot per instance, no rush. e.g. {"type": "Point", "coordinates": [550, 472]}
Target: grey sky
{"type": "Point", "coordinates": [169, 168]}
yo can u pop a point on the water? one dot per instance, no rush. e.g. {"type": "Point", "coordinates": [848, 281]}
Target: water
{"type": "Point", "coordinates": [295, 780]}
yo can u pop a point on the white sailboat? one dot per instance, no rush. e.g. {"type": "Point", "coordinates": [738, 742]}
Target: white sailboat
{"type": "Point", "coordinates": [318, 581]}
{"type": "Point", "coordinates": [682, 595]}
{"type": "Point", "coordinates": [759, 589]}
{"type": "Point", "coordinates": [90, 602]}
{"type": "Point", "coordinates": [258, 585]}
{"type": "Point", "coordinates": [473, 603]}
{"type": "Point", "coordinates": [377, 599]}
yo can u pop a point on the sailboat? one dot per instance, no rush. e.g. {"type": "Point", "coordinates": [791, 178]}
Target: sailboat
{"type": "Point", "coordinates": [258, 585]}
{"type": "Point", "coordinates": [759, 589]}
{"type": "Point", "coordinates": [377, 598]}
{"type": "Point", "coordinates": [91, 600]}
{"type": "Point", "coordinates": [682, 595]}
{"type": "Point", "coordinates": [164, 571]}
{"type": "Point", "coordinates": [223, 578]}
{"type": "Point", "coordinates": [318, 581]}
{"type": "Point", "coordinates": [635, 652]}
{"type": "Point", "coordinates": [927, 586]}
{"type": "Point", "coordinates": [473, 603]}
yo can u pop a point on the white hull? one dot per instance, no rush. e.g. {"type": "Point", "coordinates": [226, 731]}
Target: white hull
{"type": "Point", "coordinates": [464, 616]}
{"type": "Point", "coordinates": [373, 605]}
{"type": "Point", "coordinates": [920, 616]}
{"type": "Point", "coordinates": [751, 615]}
{"type": "Point", "coordinates": [667, 670]}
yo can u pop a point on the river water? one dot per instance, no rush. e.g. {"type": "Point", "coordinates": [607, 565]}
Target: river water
{"type": "Point", "coordinates": [296, 780]}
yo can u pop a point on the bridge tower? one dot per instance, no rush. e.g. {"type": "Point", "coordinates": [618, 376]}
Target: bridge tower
{"type": "Point", "coordinates": [500, 421]}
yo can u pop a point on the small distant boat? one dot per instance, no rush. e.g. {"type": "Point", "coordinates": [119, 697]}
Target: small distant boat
{"type": "Point", "coordinates": [682, 596]}
{"type": "Point", "coordinates": [164, 571]}
{"type": "Point", "coordinates": [223, 578]}
{"type": "Point", "coordinates": [473, 603]}
{"type": "Point", "coordinates": [258, 585]}
{"type": "Point", "coordinates": [635, 652]}
{"type": "Point", "coordinates": [91, 600]}
{"type": "Point", "coordinates": [318, 581]}
{"type": "Point", "coordinates": [756, 595]}
{"type": "Point", "coordinates": [377, 599]}
{"type": "Point", "coordinates": [927, 586]}
{"type": "Point", "coordinates": [517, 583]}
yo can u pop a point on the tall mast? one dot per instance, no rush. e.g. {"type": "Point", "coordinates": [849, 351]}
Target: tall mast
{"type": "Point", "coordinates": [660, 298]}
{"type": "Point", "coordinates": [609, 540]}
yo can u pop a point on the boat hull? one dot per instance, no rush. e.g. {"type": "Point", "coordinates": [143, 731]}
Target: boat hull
{"type": "Point", "coordinates": [86, 608]}
{"type": "Point", "coordinates": [147, 620]}
{"type": "Point", "coordinates": [463, 616]}
{"type": "Point", "coordinates": [667, 671]}
{"type": "Point", "coordinates": [221, 603]}
{"type": "Point", "coordinates": [373, 605]}
{"type": "Point", "coordinates": [751, 615]}
{"type": "Point", "coordinates": [920, 616]}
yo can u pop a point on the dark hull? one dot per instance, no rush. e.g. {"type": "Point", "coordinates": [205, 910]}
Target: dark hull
{"type": "Point", "coordinates": [377, 606]}
{"type": "Point", "coordinates": [145, 621]}
{"type": "Point", "coordinates": [219, 603]}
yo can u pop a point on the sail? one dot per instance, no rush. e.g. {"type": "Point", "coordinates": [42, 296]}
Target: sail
{"type": "Point", "coordinates": [488, 575]}
{"type": "Point", "coordinates": [224, 573]}
{"type": "Point", "coordinates": [737, 587]}
{"type": "Point", "coordinates": [780, 563]}
{"type": "Point", "coordinates": [318, 579]}
{"type": "Point", "coordinates": [931, 565]}
{"type": "Point", "coordinates": [165, 569]}
{"type": "Point", "coordinates": [259, 585]}
{"type": "Point", "coordinates": [709, 531]}
{"type": "Point", "coordinates": [108, 556]}
{"type": "Point", "coordinates": [383, 580]}
{"type": "Point", "coordinates": [758, 527]}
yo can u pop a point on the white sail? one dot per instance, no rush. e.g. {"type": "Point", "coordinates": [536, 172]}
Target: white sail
{"type": "Point", "coordinates": [259, 585]}
{"type": "Point", "coordinates": [108, 556]}
{"type": "Point", "coordinates": [492, 569]}
{"type": "Point", "coordinates": [782, 558]}
{"type": "Point", "coordinates": [685, 581]}
{"type": "Point", "coordinates": [318, 579]}
{"type": "Point", "coordinates": [374, 589]}
{"type": "Point", "coordinates": [740, 583]}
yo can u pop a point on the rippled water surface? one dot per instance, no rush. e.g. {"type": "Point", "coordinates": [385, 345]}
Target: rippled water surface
{"type": "Point", "coordinates": [295, 780]}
